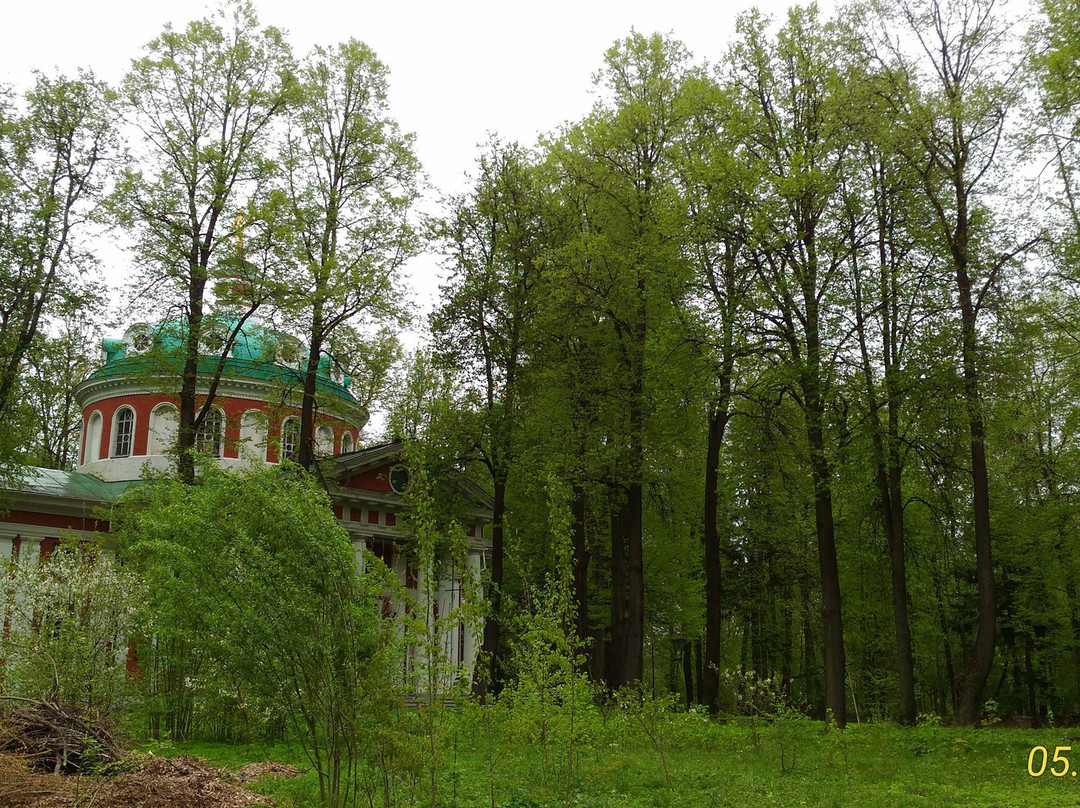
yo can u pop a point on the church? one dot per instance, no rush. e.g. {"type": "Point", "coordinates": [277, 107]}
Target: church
{"type": "Point", "coordinates": [129, 424]}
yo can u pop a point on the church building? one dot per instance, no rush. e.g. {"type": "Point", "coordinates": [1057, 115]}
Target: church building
{"type": "Point", "coordinates": [129, 423]}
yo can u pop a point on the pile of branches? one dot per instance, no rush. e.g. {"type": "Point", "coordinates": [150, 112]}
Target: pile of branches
{"type": "Point", "coordinates": [57, 738]}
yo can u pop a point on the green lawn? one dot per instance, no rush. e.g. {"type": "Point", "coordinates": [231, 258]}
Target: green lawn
{"type": "Point", "coordinates": [714, 765]}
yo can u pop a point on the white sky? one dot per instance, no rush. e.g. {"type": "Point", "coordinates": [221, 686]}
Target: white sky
{"type": "Point", "coordinates": [458, 69]}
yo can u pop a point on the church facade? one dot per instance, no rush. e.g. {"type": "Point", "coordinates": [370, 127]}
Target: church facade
{"type": "Point", "coordinates": [129, 424]}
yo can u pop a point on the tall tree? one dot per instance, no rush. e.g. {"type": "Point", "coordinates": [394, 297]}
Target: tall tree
{"type": "Point", "coordinates": [717, 185]}
{"type": "Point", "coordinates": [351, 181]}
{"type": "Point", "coordinates": [52, 147]}
{"type": "Point", "coordinates": [792, 92]}
{"type": "Point", "coordinates": [892, 301]}
{"type": "Point", "coordinates": [204, 101]}
{"type": "Point", "coordinates": [620, 157]}
{"type": "Point", "coordinates": [485, 325]}
{"type": "Point", "coordinates": [964, 74]}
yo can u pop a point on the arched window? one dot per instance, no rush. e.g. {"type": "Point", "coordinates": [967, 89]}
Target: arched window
{"type": "Point", "coordinates": [92, 447]}
{"type": "Point", "coordinates": [346, 443]}
{"type": "Point", "coordinates": [290, 439]}
{"type": "Point", "coordinates": [163, 424]}
{"type": "Point", "coordinates": [209, 438]}
{"type": "Point", "coordinates": [123, 432]}
{"type": "Point", "coordinates": [253, 435]}
{"type": "Point", "coordinates": [324, 441]}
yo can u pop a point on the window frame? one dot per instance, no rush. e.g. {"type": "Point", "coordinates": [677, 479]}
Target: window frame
{"type": "Point", "coordinates": [127, 434]}
{"type": "Point", "coordinates": [289, 450]}
{"type": "Point", "coordinates": [202, 436]}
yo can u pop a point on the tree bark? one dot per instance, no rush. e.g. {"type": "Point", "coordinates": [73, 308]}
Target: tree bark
{"type": "Point", "coordinates": [978, 666]}
{"type": "Point", "coordinates": [491, 678]}
{"type": "Point", "coordinates": [615, 669]}
{"type": "Point", "coordinates": [831, 618]}
{"type": "Point", "coordinates": [710, 678]}
{"type": "Point", "coordinates": [306, 451]}
{"type": "Point", "coordinates": [821, 475]}
{"type": "Point", "coordinates": [581, 569]}
{"type": "Point", "coordinates": [187, 427]}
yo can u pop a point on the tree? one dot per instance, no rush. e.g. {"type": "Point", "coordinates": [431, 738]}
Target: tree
{"type": "Point", "coordinates": [254, 570]}
{"type": "Point", "coordinates": [717, 184]}
{"type": "Point", "coordinates": [493, 238]}
{"type": "Point", "coordinates": [792, 94]}
{"type": "Point", "coordinates": [204, 101]}
{"type": "Point", "coordinates": [62, 362]}
{"type": "Point", "coordinates": [52, 149]}
{"type": "Point", "coordinates": [64, 619]}
{"type": "Point", "coordinates": [964, 77]}
{"type": "Point", "coordinates": [895, 303]}
{"type": "Point", "coordinates": [351, 179]}
{"type": "Point", "coordinates": [617, 161]}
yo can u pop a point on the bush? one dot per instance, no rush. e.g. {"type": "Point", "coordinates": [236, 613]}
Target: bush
{"type": "Point", "coordinates": [69, 618]}
{"type": "Point", "coordinates": [256, 598]}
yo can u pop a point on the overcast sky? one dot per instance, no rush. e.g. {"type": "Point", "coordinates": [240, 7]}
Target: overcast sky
{"type": "Point", "coordinates": [458, 69]}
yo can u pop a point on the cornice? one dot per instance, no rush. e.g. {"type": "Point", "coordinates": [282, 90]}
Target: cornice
{"type": "Point", "coordinates": [100, 388]}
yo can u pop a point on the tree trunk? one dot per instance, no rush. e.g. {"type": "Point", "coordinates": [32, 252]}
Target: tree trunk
{"type": "Point", "coordinates": [614, 656]}
{"type": "Point", "coordinates": [306, 451]}
{"type": "Point", "coordinates": [905, 661]}
{"type": "Point", "coordinates": [490, 665]}
{"type": "Point", "coordinates": [831, 618]}
{"type": "Point", "coordinates": [710, 678]}
{"type": "Point", "coordinates": [187, 427]}
{"type": "Point", "coordinates": [978, 667]}
{"type": "Point", "coordinates": [581, 568]}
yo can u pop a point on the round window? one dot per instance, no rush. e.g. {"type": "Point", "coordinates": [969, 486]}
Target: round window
{"type": "Point", "coordinates": [399, 479]}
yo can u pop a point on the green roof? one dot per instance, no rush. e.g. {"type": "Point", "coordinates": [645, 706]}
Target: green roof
{"type": "Point", "coordinates": [73, 484]}
{"type": "Point", "coordinates": [258, 352]}
{"type": "Point", "coordinates": [236, 368]}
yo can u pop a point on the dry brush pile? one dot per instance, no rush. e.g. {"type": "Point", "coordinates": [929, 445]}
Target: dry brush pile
{"type": "Point", "coordinates": [52, 756]}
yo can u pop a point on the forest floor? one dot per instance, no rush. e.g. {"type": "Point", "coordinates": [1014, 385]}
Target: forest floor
{"type": "Point", "coordinates": [792, 763]}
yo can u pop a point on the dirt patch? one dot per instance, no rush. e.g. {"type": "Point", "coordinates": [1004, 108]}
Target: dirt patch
{"type": "Point", "coordinates": [152, 782]}
{"type": "Point", "coordinates": [267, 768]}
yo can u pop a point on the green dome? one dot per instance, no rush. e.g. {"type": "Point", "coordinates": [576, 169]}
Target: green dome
{"type": "Point", "coordinates": [258, 353]}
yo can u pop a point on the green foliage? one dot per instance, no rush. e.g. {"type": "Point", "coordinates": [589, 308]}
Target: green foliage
{"type": "Point", "coordinates": [713, 764]}
{"type": "Point", "coordinates": [53, 414]}
{"type": "Point", "coordinates": [54, 141]}
{"type": "Point", "coordinates": [350, 178]}
{"type": "Point", "coordinates": [254, 590]}
{"type": "Point", "coordinates": [66, 623]}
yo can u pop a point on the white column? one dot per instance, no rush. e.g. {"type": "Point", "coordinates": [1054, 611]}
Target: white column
{"type": "Point", "coordinates": [471, 630]}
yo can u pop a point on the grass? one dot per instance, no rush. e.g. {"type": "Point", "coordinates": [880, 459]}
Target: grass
{"type": "Point", "coordinates": [712, 765]}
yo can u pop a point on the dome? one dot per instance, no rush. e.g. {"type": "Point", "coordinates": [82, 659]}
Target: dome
{"type": "Point", "coordinates": [130, 404]}
{"type": "Point", "coordinates": [258, 352]}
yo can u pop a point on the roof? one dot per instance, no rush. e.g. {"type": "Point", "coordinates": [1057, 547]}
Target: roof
{"type": "Point", "coordinates": [243, 368]}
{"type": "Point", "coordinates": [257, 352]}
{"type": "Point", "coordinates": [348, 465]}
{"type": "Point", "coordinates": [73, 484]}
